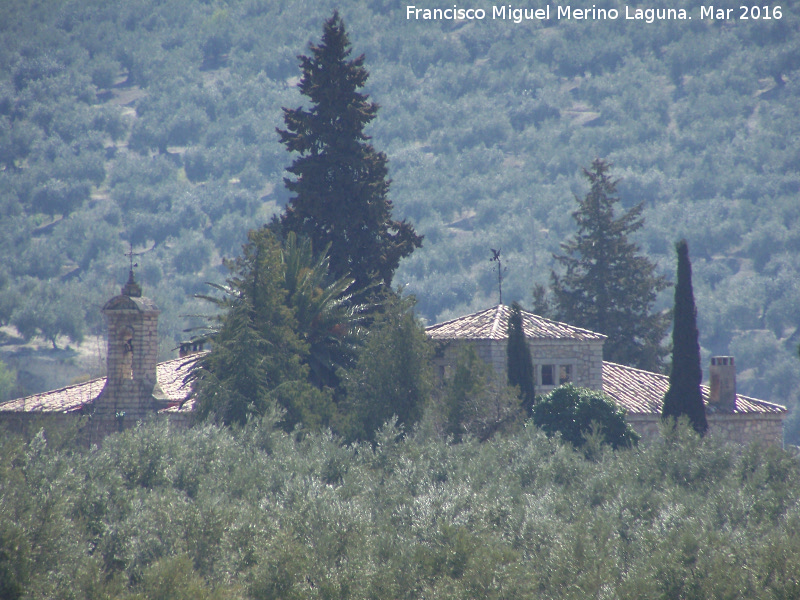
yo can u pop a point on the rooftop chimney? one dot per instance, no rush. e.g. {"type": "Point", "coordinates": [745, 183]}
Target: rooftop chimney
{"type": "Point", "coordinates": [723, 383]}
{"type": "Point", "coordinates": [192, 347]}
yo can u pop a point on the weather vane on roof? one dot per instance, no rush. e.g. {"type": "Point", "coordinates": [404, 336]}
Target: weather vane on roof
{"type": "Point", "coordinates": [500, 270]}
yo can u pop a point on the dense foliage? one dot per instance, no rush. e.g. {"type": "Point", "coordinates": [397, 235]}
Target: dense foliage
{"type": "Point", "coordinates": [473, 401]}
{"type": "Point", "coordinates": [341, 192]}
{"type": "Point", "coordinates": [683, 397]}
{"type": "Point", "coordinates": [258, 513]}
{"type": "Point", "coordinates": [281, 332]}
{"type": "Point", "coordinates": [607, 285]}
{"type": "Point", "coordinates": [392, 376]}
{"type": "Point", "coordinates": [578, 413]}
{"type": "Point", "coordinates": [154, 122]}
{"type": "Point", "coordinates": [256, 347]}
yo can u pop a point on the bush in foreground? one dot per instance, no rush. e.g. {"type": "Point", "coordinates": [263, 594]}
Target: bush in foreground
{"type": "Point", "coordinates": [576, 412]}
{"type": "Point", "coordinates": [258, 513]}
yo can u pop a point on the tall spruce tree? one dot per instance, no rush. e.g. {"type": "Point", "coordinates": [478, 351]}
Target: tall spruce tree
{"type": "Point", "coordinates": [340, 186]}
{"type": "Point", "coordinates": [520, 366]}
{"type": "Point", "coordinates": [607, 285]}
{"type": "Point", "coordinates": [683, 396]}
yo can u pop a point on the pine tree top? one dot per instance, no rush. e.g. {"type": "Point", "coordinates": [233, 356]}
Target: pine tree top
{"type": "Point", "coordinates": [340, 185]}
{"type": "Point", "coordinates": [607, 284]}
{"type": "Point", "coordinates": [339, 111]}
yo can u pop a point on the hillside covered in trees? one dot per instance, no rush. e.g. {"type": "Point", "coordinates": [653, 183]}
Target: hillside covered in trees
{"type": "Point", "coordinates": [152, 125]}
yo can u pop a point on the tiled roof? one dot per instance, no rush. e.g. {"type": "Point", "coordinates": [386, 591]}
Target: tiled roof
{"type": "Point", "coordinates": [492, 324]}
{"type": "Point", "coordinates": [170, 377]}
{"type": "Point", "coordinates": [71, 398]}
{"type": "Point", "coordinates": [66, 399]}
{"type": "Point", "coordinates": [641, 392]}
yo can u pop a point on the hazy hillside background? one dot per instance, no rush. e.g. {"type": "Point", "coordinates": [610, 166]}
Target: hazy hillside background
{"type": "Point", "coordinates": [152, 123]}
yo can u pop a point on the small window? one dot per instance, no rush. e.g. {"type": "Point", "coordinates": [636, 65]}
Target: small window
{"type": "Point", "coordinates": [554, 375]}
{"type": "Point", "coordinates": [548, 374]}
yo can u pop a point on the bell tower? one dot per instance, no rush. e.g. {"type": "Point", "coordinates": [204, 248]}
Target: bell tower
{"type": "Point", "coordinates": [131, 392]}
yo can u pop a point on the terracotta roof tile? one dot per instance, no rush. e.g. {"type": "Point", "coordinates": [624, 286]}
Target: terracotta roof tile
{"type": "Point", "coordinates": [642, 392]}
{"type": "Point", "coordinates": [171, 375]}
{"type": "Point", "coordinates": [66, 399]}
{"type": "Point", "coordinates": [492, 324]}
{"type": "Point", "coordinates": [71, 398]}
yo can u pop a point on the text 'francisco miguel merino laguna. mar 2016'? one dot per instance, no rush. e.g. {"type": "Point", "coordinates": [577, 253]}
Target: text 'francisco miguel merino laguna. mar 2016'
{"type": "Point", "coordinates": [508, 12]}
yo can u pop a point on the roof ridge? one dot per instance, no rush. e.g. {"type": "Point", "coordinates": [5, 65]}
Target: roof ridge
{"type": "Point", "coordinates": [613, 364]}
{"type": "Point", "coordinates": [488, 324]}
{"type": "Point", "coordinates": [498, 315]}
{"type": "Point", "coordinates": [533, 315]}
{"type": "Point", "coordinates": [462, 317]}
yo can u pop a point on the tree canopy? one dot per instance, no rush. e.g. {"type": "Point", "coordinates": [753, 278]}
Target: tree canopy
{"type": "Point", "coordinates": [281, 334]}
{"type": "Point", "coordinates": [574, 412]}
{"type": "Point", "coordinates": [684, 396]}
{"type": "Point", "coordinates": [255, 345]}
{"type": "Point", "coordinates": [340, 181]}
{"type": "Point", "coordinates": [154, 122]}
{"type": "Point", "coordinates": [474, 401]}
{"type": "Point", "coordinates": [392, 376]}
{"type": "Point", "coordinates": [257, 513]}
{"type": "Point", "coordinates": [608, 285]}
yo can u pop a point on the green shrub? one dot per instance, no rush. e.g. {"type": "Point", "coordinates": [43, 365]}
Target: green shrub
{"type": "Point", "coordinates": [574, 412]}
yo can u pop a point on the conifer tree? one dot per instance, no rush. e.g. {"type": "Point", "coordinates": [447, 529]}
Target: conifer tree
{"type": "Point", "coordinates": [393, 374]}
{"type": "Point", "coordinates": [520, 366]}
{"type": "Point", "coordinates": [683, 396]}
{"type": "Point", "coordinates": [255, 347]}
{"type": "Point", "coordinates": [340, 186]}
{"type": "Point", "coordinates": [608, 286]}
{"type": "Point", "coordinates": [474, 402]}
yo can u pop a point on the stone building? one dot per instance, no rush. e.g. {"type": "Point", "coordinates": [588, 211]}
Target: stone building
{"type": "Point", "coordinates": [136, 387]}
{"type": "Point", "coordinates": [562, 353]}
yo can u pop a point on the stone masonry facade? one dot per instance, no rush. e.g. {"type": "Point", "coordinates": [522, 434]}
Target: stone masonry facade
{"type": "Point", "coordinates": [583, 359]}
{"type": "Point", "coordinates": [738, 429]}
{"type": "Point", "coordinates": [561, 353]}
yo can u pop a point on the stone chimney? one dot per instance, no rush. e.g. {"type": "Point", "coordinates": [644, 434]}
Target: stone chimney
{"type": "Point", "coordinates": [131, 392]}
{"type": "Point", "coordinates": [189, 348]}
{"type": "Point", "coordinates": [723, 383]}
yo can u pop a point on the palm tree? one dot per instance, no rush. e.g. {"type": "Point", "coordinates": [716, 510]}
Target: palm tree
{"type": "Point", "coordinates": [327, 320]}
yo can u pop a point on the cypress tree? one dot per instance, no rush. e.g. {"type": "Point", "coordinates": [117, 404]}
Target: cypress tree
{"type": "Point", "coordinates": [608, 286]}
{"type": "Point", "coordinates": [684, 396]}
{"type": "Point", "coordinates": [340, 186]}
{"type": "Point", "coordinates": [520, 366]}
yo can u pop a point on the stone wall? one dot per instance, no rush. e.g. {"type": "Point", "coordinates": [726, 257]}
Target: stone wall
{"type": "Point", "coordinates": [131, 393]}
{"type": "Point", "coordinates": [585, 357]}
{"type": "Point", "coordinates": [735, 428]}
